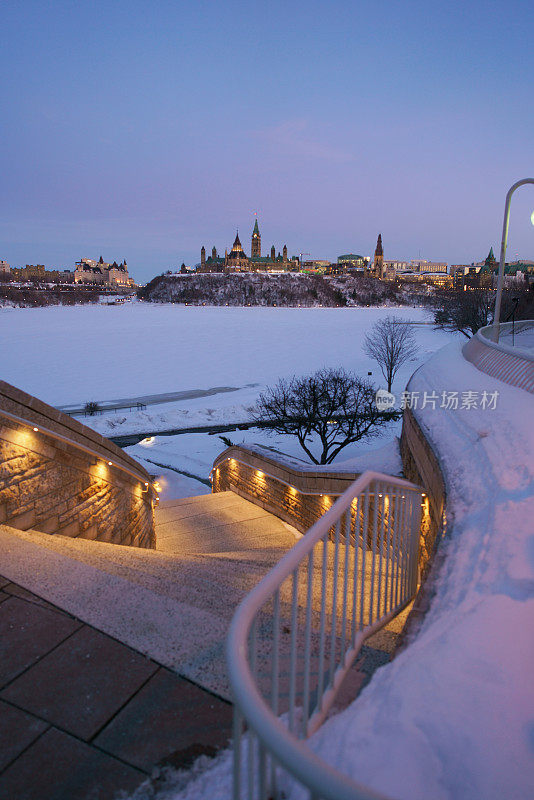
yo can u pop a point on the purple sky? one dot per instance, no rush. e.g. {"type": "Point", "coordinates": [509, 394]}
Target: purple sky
{"type": "Point", "coordinates": [143, 130]}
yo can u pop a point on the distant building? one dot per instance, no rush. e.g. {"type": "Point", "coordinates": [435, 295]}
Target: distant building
{"type": "Point", "coordinates": [29, 272]}
{"type": "Point", "coordinates": [315, 265]}
{"type": "Point", "coordinates": [101, 273]}
{"type": "Point", "coordinates": [418, 265]}
{"type": "Point", "coordinates": [4, 267]}
{"type": "Point", "coordinates": [237, 260]}
{"type": "Point", "coordinates": [37, 272]}
{"type": "Point", "coordinates": [436, 278]}
{"type": "Point", "coordinates": [352, 261]}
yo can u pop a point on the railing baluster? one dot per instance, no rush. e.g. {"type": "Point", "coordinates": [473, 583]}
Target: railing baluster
{"type": "Point", "coordinates": [251, 741]}
{"type": "Point", "coordinates": [387, 544]}
{"type": "Point", "coordinates": [417, 501]}
{"type": "Point", "coordinates": [345, 587]}
{"type": "Point", "coordinates": [357, 517]}
{"type": "Point", "coordinates": [307, 650]}
{"type": "Point", "coordinates": [237, 732]}
{"type": "Point", "coordinates": [322, 626]}
{"type": "Point", "coordinates": [262, 773]}
{"type": "Point", "coordinates": [275, 668]}
{"type": "Point", "coordinates": [365, 539]}
{"type": "Point", "coordinates": [293, 652]}
{"type": "Point", "coordinates": [402, 534]}
{"type": "Point", "coordinates": [380, 549]}
{"type": "Point", "coordinates": [405, 546]}
{"type": "Point", "coordinates": [394, 549]}
{"type": "Point", "coordinates": [373, 549]}
{"type": "Point", "coordinates": [251, 737]}
{"type": "Point", "coordinates": [332, 664]}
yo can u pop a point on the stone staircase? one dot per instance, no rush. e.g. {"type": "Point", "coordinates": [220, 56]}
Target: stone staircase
{"type": "Point", "coordinates": [174, 603]}
{"type": "Point", "coordinates": [79, 617]}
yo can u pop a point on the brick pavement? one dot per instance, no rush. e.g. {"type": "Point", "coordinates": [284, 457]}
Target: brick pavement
{"type": "Point", "coordinates": [82, 715]}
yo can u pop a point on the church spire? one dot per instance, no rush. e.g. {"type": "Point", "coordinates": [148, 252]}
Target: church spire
{"type": "Point", "coordinates": [379, 251]}
{"type": "Point", "coordinates": [378, 264]}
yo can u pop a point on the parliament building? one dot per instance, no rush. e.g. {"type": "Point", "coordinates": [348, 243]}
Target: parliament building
{"type": "Point", "coordinates": [237, 261]}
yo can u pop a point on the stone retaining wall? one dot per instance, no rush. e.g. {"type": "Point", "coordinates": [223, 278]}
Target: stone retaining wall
{"type": "Point", "coordinates": [56, 487]}
{"type": "Point", "coordinates": [421, 466]}
{"type": "Point", "coordinates": [278, 487]}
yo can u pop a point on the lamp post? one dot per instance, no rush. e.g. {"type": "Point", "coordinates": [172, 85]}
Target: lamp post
{"type": "Point", "coordinates": [497, 314]}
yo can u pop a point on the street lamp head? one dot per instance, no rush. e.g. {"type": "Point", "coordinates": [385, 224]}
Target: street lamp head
{"type": "Point", "coordinates": [532, 217]}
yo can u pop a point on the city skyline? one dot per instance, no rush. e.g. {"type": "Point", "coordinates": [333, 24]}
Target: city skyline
{"type": "Point", "coordinates": [141, 131]}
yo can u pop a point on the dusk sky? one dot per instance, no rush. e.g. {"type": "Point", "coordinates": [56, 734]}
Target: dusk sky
{"type": "Point", "coordinates": [143, 130]}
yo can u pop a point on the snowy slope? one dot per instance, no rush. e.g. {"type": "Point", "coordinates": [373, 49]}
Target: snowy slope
{"type": "Point", "coordinates": [193, 454]}
{"type": "Point", "coordinates": [455, 711]}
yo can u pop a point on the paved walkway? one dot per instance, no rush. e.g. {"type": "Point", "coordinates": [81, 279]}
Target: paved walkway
{"type": "Point", "coordinates": [82, 716]}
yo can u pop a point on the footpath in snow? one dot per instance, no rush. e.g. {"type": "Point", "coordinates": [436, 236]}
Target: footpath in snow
{"type": "Point", "coordinates": [453, 715]}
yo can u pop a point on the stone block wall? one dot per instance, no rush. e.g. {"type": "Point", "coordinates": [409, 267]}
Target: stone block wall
{"type": "Point", "coordinates": [421, 466]}
{"type": "Point", "coordinates": [278, 487]}
{"type": "Point", "coordinates": [69, 488]}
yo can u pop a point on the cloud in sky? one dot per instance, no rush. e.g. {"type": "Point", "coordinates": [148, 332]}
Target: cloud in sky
{"type": "Point", "coordinates": [293, 138]}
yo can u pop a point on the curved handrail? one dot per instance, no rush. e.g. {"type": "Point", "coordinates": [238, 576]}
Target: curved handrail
{"type": "Point", "coordinates": [275, 741]}
{"type": "Point", "coordinates": [485, 335]}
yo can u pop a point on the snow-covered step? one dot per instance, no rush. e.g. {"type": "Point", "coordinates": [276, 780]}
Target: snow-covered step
{"type": "Point", "coordinates": [218, 523]}
{"type": "Point", "coordinates": [172, 605]}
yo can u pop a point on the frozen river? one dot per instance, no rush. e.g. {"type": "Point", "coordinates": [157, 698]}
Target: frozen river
{"type": "Point", "coordinates": [67, 355]}
{"type": "Point", "coordinates": [70, 356]}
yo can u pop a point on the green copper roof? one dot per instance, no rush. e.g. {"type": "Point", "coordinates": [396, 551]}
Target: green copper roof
{"type": "Point", "coordinates": [256, 229]}
{"type": "Point", "coordinates": [490, 260]}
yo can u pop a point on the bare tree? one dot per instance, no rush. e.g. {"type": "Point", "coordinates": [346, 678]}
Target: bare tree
{"type": "Point", "coordinates": [334, 405]}
{"type": "Point", "coordinates": [391, 343]}
{"type": "Point", "coordinates": [462, 310]}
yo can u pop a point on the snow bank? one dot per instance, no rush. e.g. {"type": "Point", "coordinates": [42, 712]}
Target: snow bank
{"type": "Point", "coordinates": [453, 715]}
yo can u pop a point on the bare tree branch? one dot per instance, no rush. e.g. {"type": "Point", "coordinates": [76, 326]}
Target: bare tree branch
{"type": "Point", "coordinates": [390, 343]}
{"type": "Point", "coordinates": [332, 404]}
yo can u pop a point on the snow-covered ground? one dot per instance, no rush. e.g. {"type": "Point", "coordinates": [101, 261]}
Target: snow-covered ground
{"type": "Point", "coordinates": [71, 355]}
{"type": "Point", "coordinates": [194, 454]}
{"type": "Point", "coordinates": [453, 715]}
{"type": "Point", "coordinates": [68, 355]}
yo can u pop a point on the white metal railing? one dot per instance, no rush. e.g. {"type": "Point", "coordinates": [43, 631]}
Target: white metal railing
{"type": "Point", "coordinates": [294, 638]}
{"type": "Point", "coordinates": [516, 328]}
